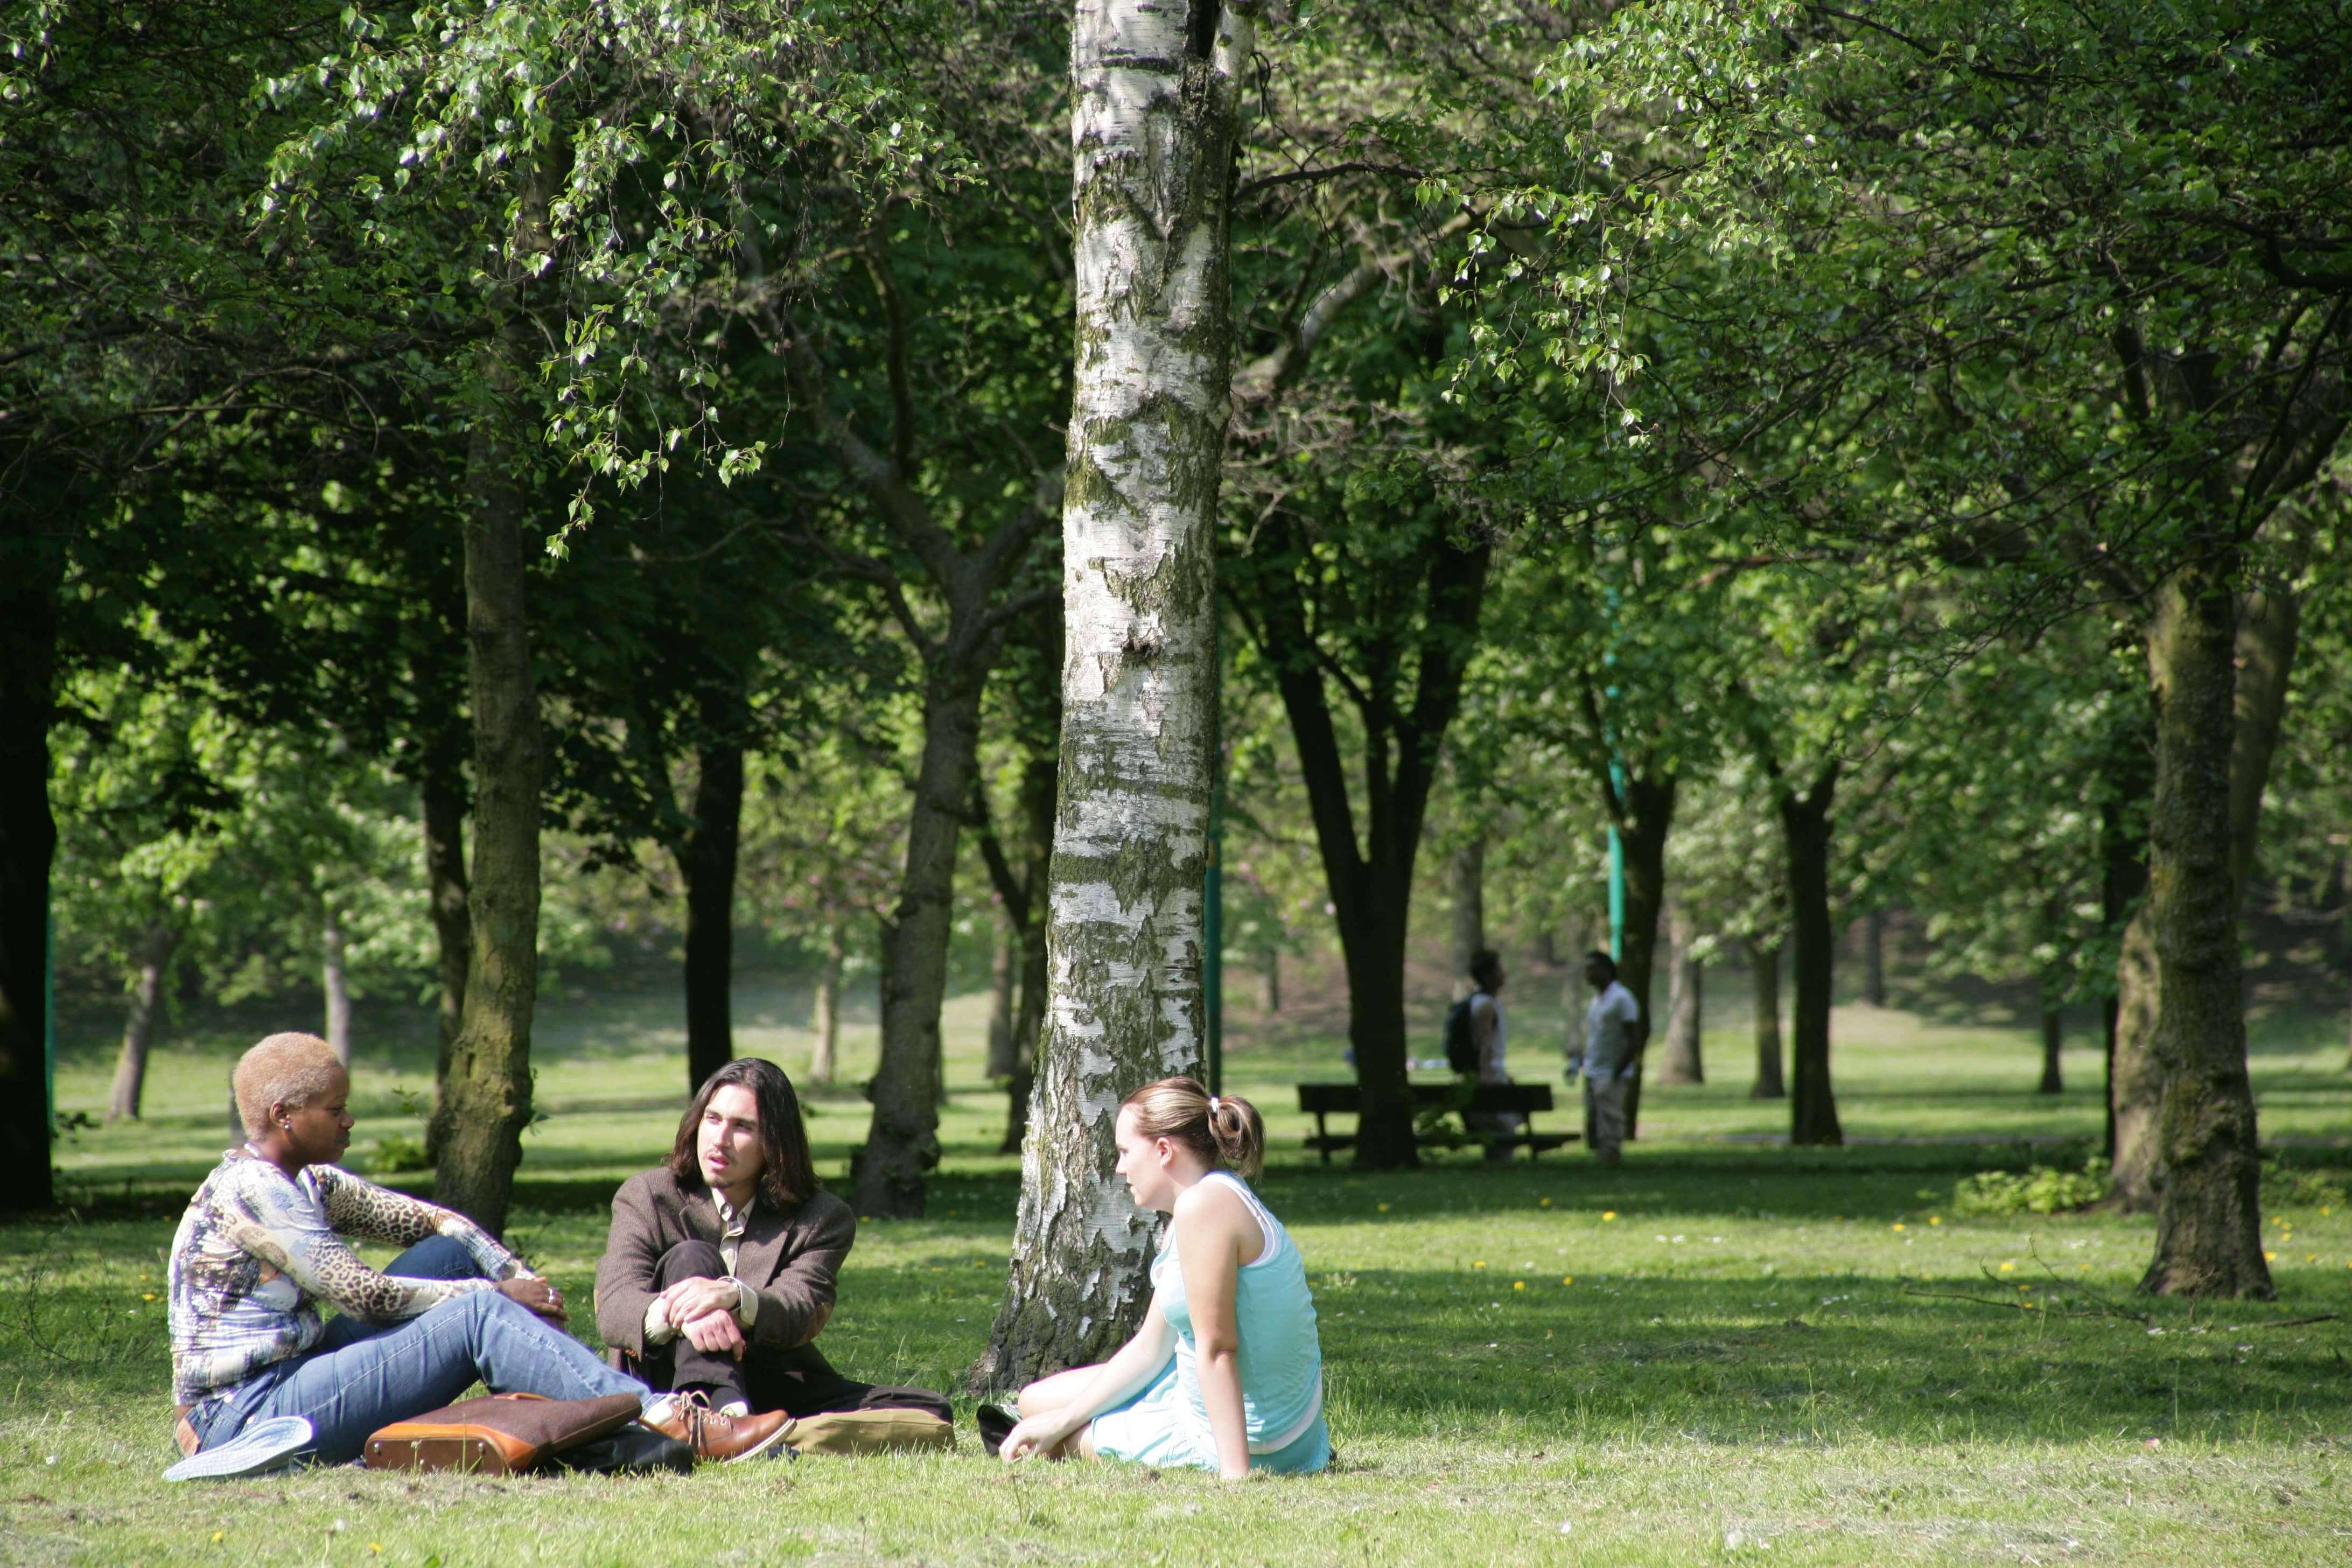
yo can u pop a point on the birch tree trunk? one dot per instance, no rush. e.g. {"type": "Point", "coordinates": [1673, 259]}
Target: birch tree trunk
{"type": "Point", "coordinates": [155, 950]}
{"type": "Point", "coordinates": [822, 1058]}
{"type": "Point", "coordinates": [333, 982]}
{"type": "Point", "coordinates": [1764, 967]}
{"type": "Point", "coordinates": [1155, 96]}
{"type": "Point", "coordinates": [488, 1102]}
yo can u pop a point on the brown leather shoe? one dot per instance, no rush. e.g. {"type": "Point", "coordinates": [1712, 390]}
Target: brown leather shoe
{"type": "Point", "coordinates": [720, 1438]}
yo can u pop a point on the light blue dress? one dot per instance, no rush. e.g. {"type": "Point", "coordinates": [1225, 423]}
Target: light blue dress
{"type": "Point", "coordinates": [1281, 1363]}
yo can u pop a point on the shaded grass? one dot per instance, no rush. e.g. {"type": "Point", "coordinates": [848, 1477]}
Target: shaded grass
{"type": "Point", "coordinates": [1738, 1354]}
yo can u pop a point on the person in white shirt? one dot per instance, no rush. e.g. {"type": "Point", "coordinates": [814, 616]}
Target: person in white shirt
{"type": "Point", "coordinates": [1615, 1033]}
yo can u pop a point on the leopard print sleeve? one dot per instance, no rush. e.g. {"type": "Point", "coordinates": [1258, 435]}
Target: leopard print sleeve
{"type": "Point", "coordinates": [286, 1225]}
{"type": "Point", "coordinates": [357, 1207]}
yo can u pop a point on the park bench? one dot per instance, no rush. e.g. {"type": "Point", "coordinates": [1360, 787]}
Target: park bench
{"type": "Point", "coordinates": [1528, 1099]}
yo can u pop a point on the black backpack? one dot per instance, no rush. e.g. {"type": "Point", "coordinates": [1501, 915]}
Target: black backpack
{"type": "Point", "coordinates": [1461, 1038]}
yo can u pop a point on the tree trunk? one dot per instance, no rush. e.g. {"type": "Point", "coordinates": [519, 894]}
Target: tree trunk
{"type": "Point", "coordinates": [1873, 958]}
{"type": "Point", "coordinates": [1469, 909]}
{"type": "Point", "coordinates": [2209, 1221]}
{"type": "Point", "coordinates": [2129, 776]}
{"type": "Point", "coordinates": [489, 1100]}
{"type": "Point", "coordinates": [2263, 643]}
{"type": "Point", "coordinates": [155, 950]}
{"type": "Point", "coordinates": [1686, 1006]}
{"type": "Point", "coordinates": [1270, 972]}
{"type": "Point", "coordinates": [1646, 811]}
{"type": "Point", "coordinates": [1039, 785]}
{"type": "Point", "coordinates": [332, 982]}
{"type": "Point", "coordinates": [1764, 966]}
{"type": "Point", "coordinates": [902, 1142]}
{"type": "Point", "coordinates": [1155, 100]}
{"type": "Point", "coordinates": [1548, 946]}
{"type": "Point", "coordinates": [706, 863]}
{"type": "Point", "coordinates": [1805, 828]}
{"type": "Point", "coordinates": [453, 922]}
{"type": "Point", "coordinates": [32, 565]}
{"type": "Point", "coordinates": [1003, 977]}
{"type": "Point", "coordinates": [2053, 1039]}
{"type": "Point", "coordinates": [824, 1056]}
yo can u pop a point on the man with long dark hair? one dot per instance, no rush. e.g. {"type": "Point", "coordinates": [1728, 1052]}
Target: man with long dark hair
{"type": "Point", "coordinates": [720, 1267]}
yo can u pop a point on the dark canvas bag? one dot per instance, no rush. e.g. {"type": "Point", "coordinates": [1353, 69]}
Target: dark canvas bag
{"type": "Point", "coordinates": [497, 1436]}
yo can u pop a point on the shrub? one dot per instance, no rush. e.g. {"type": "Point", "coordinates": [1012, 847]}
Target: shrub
{"type": "Point", "coordinates": [2044, 1189]}
{"type": "Point", "coordinates": [2289, 1188]}
{"type": "Point", "coordinates": [395, 1155]}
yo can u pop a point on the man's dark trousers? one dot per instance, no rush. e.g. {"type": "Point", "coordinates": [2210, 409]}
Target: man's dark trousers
{"type": "Point", "coordinates": [799, 1380]}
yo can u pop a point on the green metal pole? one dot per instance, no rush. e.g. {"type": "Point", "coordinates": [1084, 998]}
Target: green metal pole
{"type": "Point", "coordinates": [1213, 894]}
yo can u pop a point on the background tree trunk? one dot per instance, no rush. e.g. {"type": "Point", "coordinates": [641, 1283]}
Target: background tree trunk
{"type": "Point", "coordinates": [902, 1142]}
{"type": "Point", "coordinates": [2209, 1237]}
{"type": "Point", "coordinates": [157, 944]}
{"type": "Point", "coordinates": [2053, 1040]}
{"type": "Point", "coordinates": [706, 862]}
{"type": "Point", "coordinates": [1039, 784]}
{"type": "Point", "coordinates": [1805, 827]}
{"type": "Point", "coordinates": [1764, 966]}
{"type": "Point", "coordinates": [489, 1100]}
{"type": "Point", "coordinates": [1270, 974]}
{"type": "Point", "coordinates": [1686, 1006]}
{"type": "Point", "coordinates": [1645, 811]}
{"type": "Point", "coordinates": [1003, 980]}
{"type": "Point", "coordinates": [1469, 909]}
{"type": "Point", "coordinates": [1873, 958]}
{"type": "Point", "coordinates": [824, 1056]}
{"type": "Point", "coordinates": [332, 982]}
{"type": "Point", "coordinates": [1155, 103]}
{"type": "Point", "coordinates": [2130, 1012]}
{"type": "Point", "coordinates": [31, 567]}
{"type": "Point", "coordinates": [453, 922]}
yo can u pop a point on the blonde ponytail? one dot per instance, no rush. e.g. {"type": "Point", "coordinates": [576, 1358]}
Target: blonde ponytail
{"type": "Point", "coordinates": [1224, 1130]}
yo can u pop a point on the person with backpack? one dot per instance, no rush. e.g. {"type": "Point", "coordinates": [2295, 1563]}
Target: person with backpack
{"type": "Point", "coordinates": [1474, 1042]}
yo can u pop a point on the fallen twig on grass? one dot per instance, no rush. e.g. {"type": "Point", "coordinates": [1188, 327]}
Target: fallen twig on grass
{"type": "Point", "coordinates": [2283, 1323]}
{"type": "Point", "coordinates": [2012, 1304]}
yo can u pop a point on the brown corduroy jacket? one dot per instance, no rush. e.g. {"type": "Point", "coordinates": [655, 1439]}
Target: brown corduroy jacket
{"type": "Point", "coordinates": [790, 1257]}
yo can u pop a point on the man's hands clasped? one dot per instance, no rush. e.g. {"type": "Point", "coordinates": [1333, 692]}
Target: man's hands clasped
{"type": "Point", "coordinates": [703, 1311]}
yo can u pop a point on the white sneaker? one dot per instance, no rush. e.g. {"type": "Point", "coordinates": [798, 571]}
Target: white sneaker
{"type": "Point", "coordinates": [263, 1446]}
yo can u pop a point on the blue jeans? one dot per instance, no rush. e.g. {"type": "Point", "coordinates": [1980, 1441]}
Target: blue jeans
{"type": "Point", "coordinates": [360, 1376]}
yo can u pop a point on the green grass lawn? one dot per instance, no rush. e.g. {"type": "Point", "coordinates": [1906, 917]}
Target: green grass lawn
{"type": "Point", "coordinates": [1724, 1349]}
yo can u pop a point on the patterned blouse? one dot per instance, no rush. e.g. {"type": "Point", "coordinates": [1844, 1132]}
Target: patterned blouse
{"type": "Point", "coordinates": [259, 1249]}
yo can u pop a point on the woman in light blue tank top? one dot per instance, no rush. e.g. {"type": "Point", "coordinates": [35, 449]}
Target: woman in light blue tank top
{"type": "Point", "coordinates": [1226, 1373]}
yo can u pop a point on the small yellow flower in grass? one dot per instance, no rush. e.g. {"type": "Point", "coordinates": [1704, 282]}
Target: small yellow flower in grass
{"type": "Point", "coordinates": [2006, 1267]}
{"type": "Point", "coordinates": [1519, 1284]}
{"type": "Point", "coordinates": [217, 1536]}
{"type": "Point", "coordinates": [149, 1297]}
{"type": "Point", "coordinates": [1480, 1263]}
{"type": "Point", "coordinates": [375, 1546]}
{"type": "Point", "coordinates": [1898, 1224]}
{"type": "Point", "coordinates": [1546, 1204]}
{"type": "Point", "coordinates": [2311, 1258]}
{"type": "Point", "coordinates": [1384, 1208]}
{"type": "Point", "coordinates": [1570, 1278]}
{"type": "Point", "coordinates": [1608, 1214]}
{"type": "Point", "coordinates": [1935, 1219]}
{"type": "Point", "coordinates": [2270, 1257]}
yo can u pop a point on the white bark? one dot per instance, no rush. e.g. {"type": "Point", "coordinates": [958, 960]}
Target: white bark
{"type": "Point", "coordinates": [1155, 100]}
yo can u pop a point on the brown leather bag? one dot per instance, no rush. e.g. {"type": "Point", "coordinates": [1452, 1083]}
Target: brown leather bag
{"type": "Point", "coordinates": [497, 1435]}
